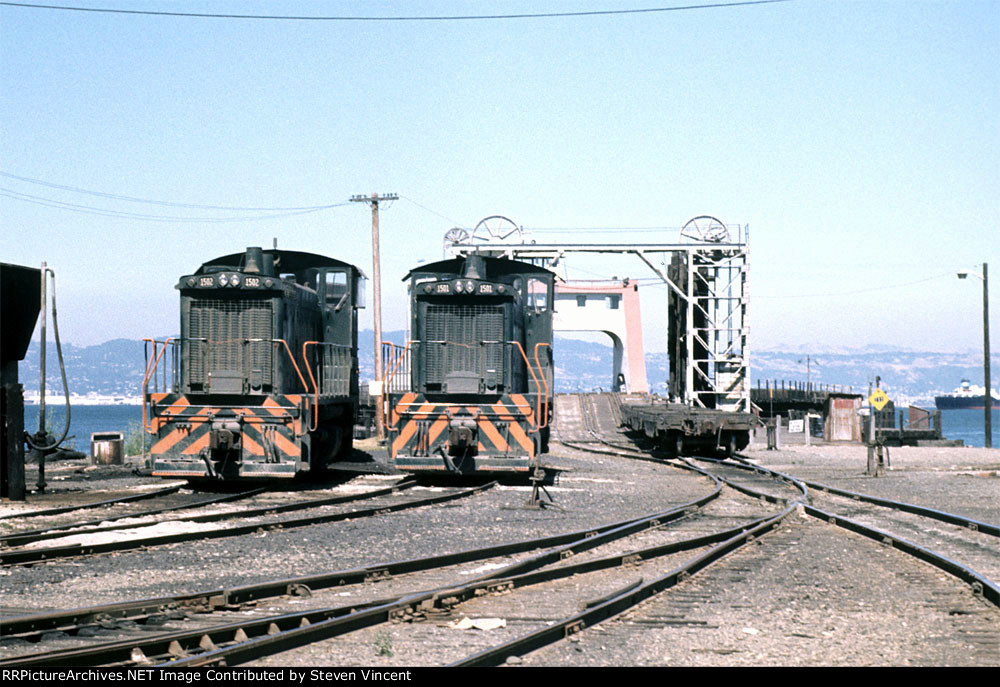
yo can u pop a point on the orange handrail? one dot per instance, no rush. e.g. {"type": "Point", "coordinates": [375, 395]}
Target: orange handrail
{"type": "Point", "coordinates": [545, 415]}
{"type": "Point", "coordinates": [538, 384]}
{"type": "Point", "coordinates": [387, 379]}
{"type": "Point", "coordinates": [305, 360]}
{"type": "Point", "coordinates": [294, 364]}
{"type": "Point", "coordinates": [150, 368]}
{"type": "Point", "coordinates": [155, 361]}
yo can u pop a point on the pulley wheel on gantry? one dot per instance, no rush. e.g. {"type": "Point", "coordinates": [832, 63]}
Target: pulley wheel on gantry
{"type": "Point", "coordinates": [705, 229]}
{"type": "Point", "coordinates": [456, 235]}
{"type": "Point", "coordinates": [495, 229]}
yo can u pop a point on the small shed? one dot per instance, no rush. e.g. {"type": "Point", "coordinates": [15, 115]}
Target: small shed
{"type": "Point", "coordinates": [843, 422]}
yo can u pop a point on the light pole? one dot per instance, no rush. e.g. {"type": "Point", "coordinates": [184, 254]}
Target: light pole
{"type": "Point", "coordinates": [986, 350]}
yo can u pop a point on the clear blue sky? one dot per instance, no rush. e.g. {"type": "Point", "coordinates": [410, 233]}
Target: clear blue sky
{"type": "Point", "coordinates": [859, 140]}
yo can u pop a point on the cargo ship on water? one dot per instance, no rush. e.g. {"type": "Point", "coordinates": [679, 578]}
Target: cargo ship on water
{"type": "Point", "coordinates": [966, 396]}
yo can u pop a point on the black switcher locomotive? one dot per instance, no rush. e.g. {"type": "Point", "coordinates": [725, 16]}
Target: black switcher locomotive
{"type": "Point", "coordinates": [471, 390]}
{"type": "Point", "coordinates": [263, 379]}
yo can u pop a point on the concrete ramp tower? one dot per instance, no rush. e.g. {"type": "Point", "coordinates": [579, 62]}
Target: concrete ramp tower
{"type": "Point", "coordinates": [612, 308]}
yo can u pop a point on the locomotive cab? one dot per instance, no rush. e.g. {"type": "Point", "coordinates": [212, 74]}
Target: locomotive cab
{"type": "Point", "coordinates": [479, 358]}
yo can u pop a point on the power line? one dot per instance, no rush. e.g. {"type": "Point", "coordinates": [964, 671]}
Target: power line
{"type": "Point", "coordinates": [148, 201]}
{"type": "Point", "coordinates": [107, 212]}
{"type": "Point", "coordinates": [433, 212]}
{"type": "Point", "coordinates": [273, 17]}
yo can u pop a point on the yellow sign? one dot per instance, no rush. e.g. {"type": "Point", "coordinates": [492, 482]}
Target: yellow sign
{"type": "Point", "coordinates": [878, 399]}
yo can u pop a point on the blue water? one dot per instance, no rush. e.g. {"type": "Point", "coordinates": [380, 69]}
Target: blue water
{"type": "Point", "coordinates": [968, 425]}
{"type": "Point", "coordinates": [84, 421]}
{"type": "Point", "coordinates": [964, 424]}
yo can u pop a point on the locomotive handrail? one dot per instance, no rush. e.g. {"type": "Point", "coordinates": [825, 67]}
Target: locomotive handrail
{"type": "Point", "coordinates": [294, 364]}
{"type": "Point", "coordinates": [398, 355]}
{"type": "Point", "coordinates": [305, 360]}
{"type": "Point", "coordinates": [305, 386]}
{"type": "Point", "coordinates": [545, 379]}
{"type": "Point", "coordinates": [315, 423]}
{"type": "Point", "coordinates": [388, 376]}
{"type": "Point", "coordinates": [538, 385]}
{"type": "Point", "coordinates": [288, 350]}
{"type": "Point", "coordinates": [151, 366]}
{"type": "Point", "coordinates": [154, 362]}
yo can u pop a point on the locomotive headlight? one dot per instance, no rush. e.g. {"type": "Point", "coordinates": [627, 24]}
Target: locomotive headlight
{"type": "Point", "coordinates": [223, 280]}
{"type": "Point", "coordinates": [501, 288]}
{"type": "Point", "coordinates": [191, 281]}
{"type": "Point", "coordinates": [427, 288]}
{"type": "Point", "coordinates": [235, 280]}
{"type": "Point", "coordinates": [458, 286]}
{"type": "Point", "coordinates": [469, 287]}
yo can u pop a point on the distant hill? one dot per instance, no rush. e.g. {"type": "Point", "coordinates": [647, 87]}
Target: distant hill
{"type": "Point", "coordinates": [116, 368]}
{"type": "Point", "coordinates": [113, 368]}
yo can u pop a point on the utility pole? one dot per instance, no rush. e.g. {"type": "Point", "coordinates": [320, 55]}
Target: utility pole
{"type": "Point", "coordinates": [986, 356]}
{"type": "Point", "coordinates": [988, 405]}
{"type": "Point", "coordinates": [374, 200]}
{"type": "Point", "coordinates": [808, 360]}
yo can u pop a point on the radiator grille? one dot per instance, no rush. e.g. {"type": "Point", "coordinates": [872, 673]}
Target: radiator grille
{"type": "Point", "coordinates": [473, 340]}
{"type": "Point", "coordinates": [219, 334]}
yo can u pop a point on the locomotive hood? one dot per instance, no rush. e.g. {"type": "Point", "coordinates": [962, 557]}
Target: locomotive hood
{"type": "Point", "coordinates": [273, 261]}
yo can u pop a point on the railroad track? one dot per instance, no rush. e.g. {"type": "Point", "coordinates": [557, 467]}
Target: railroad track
{"type": "Point", "coordinates": [645, 585]}
{"type": "Point", "coordinates": [131, 536]}
{"type": "Point", "coordinates": [106, 503]}
{"type": "Point", "coordinates": [21, 537]}
{"type": "Point", "coordinates": [959, 546]}
{"type": "Point", "coordinates": [962, 547]}
{"type": "Point", "coordinates": [232, 643]}
{"type": "Point", "coordinates": [657, 559]}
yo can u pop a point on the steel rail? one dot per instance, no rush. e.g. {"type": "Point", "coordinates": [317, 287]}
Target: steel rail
{"type": "Point", "coordinates": [412, 603]}
{"type": "Point", "coordinates": [68, 620]}
{"type": "Point", "coordinates": [43, 533]}
{"type": "Point", "coordinates": [170, 646]}
{"type": "Point", "coordinates": [618, 450]}
{"type": "Point", "coordinates": [274, 643]}
{"type": "Point", "coordinates": [216, 517]}
{"type": "Point", "coordinates": [981, 585]}
{"type": "Point", "coordinates": [497, 581]}
{"type": "Point", "coordinates": [585, 539]}
{"type": "Point", "coordinates": [788, 479]}
{"type": "Point", "coordinates": [687, 464]}
{"type": "Point", "coordinates": [633, 451]}
{"type": "Point", "coordinates": [569, 626]}
{"type": "Point", "coordinates": [95, 504]}
{"type": "Point", "coordinates": [24, 556]}
{"type": "Point", "coordinates": [942, 516]}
